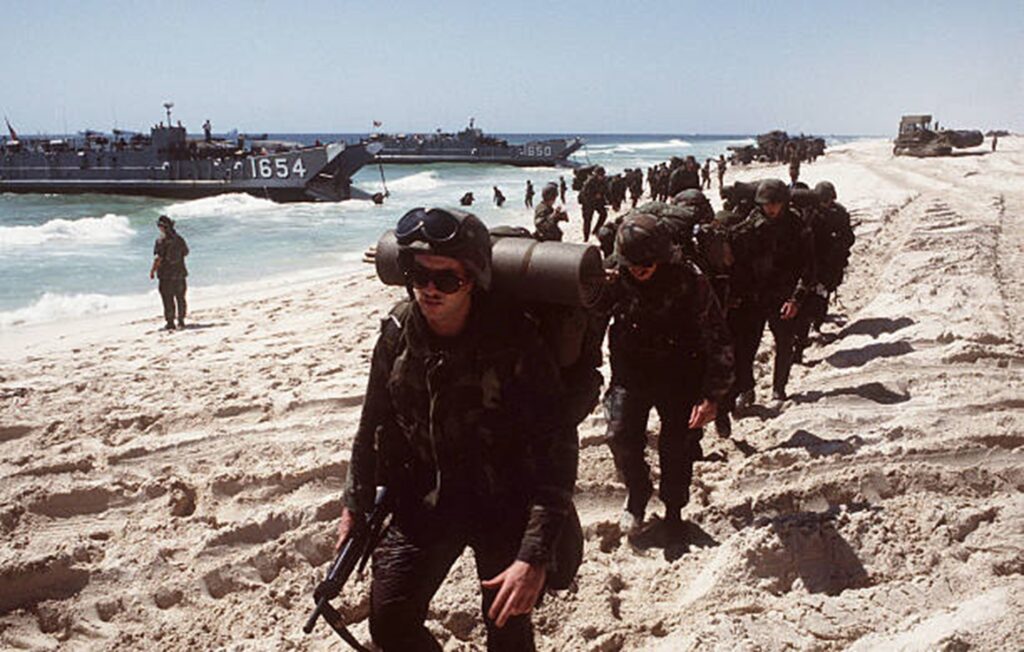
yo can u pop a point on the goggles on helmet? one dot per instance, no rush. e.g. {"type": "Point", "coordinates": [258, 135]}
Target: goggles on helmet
{"type": "Point", "coordinates": [434, 226]}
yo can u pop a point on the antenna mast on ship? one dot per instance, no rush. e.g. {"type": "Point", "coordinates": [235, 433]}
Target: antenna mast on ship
{"type": "Point", "coordinates": [168, 106]}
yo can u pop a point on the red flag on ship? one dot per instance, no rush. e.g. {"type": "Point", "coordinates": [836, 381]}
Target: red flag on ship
{"type": "Point", "coordinates": [377, 123]}
{"type": "Point", "coordinates": [10, 129]}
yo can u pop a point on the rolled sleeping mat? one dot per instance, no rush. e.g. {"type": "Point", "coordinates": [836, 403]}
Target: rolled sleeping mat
{"type": "Point", "coordinates": [563, 273]}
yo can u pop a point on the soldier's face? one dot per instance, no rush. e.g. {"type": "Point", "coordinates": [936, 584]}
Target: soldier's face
{"type": "Point", "coordinates": [435, 304]}
{"type": "Point", "coordinates": [773, 209]}
{"type": "Point", "coordinates": [643, 272]}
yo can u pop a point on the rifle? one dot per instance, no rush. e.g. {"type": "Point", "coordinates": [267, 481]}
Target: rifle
{"type": "Point", "coordinates": [355, 552]}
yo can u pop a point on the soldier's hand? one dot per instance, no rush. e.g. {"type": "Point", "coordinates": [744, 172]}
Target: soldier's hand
{"type": "Point", "coordinates": [344, 527]}
{"type": "Point", "coordinates": [789, 310]}
{"type": "Point", "coordinates": [152, 274]}
{"type": "Point", "coordinates": [518, 588]}
{"type": "Point", "coordinates": [703, 414]}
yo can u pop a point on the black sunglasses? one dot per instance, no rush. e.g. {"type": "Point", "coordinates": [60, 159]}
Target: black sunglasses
{"type": "Point", "coordinates": [445, 280]}
{"type": "Point", "coordinates": [431, 226]}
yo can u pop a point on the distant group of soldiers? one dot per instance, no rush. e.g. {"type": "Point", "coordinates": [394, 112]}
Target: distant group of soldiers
{"type": "Point", "coordinates": [779, 147]}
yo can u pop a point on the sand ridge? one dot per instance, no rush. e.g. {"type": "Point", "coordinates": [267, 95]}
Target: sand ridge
{"type": "Point", "coordinates": [179, 491]}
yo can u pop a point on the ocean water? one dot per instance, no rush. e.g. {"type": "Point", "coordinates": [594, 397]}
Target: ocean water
{"type": "Point", "coordinates": [64, 256]}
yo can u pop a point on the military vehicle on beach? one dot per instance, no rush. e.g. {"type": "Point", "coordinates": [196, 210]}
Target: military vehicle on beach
{"type": "Point", "coordinates": [777, 147]}
{"type": "Point", "coordinates": [918, 138]}
{"type": "Point", "coordinates": [167, 163]}
{"type": "Point", "coordinates": [471, 145]}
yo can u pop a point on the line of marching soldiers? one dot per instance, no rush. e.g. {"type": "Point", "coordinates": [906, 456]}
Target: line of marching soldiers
{"type": "Point", "coordinates": [774, 255]}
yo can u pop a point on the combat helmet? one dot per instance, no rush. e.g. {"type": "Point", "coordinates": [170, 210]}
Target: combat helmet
{"type": "Point", "coordinates": [825, 191]}
{"type": "Point", "coordinates": [771, 191]}
{"type": "Point", "coordinates": [550, 191]}
{"type": "Point", "coordinates": [446, 232]}
{"type": "Point", "coordinates": [695, 199]}
{"type": "Point", "coordinates": [641, 241]}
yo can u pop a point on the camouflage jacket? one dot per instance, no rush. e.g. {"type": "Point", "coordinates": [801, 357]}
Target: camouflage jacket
{"type": "Point", "coordinates": [595, 191]}
{"type": "Point", "coordinates": [774, 259]}
{"type": "Point", "coordinates": [669, 330]}
{"type": "Point", "coordinates": [472, 429]}
{"type": "Point", "coordinates": [545, 219]}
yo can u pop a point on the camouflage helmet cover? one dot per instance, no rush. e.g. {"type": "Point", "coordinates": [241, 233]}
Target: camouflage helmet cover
{"type": "Point", "coordinates": [471, 245]}
{"type": "Point", "coordinates": [771, 191]}
{"type": "Point", "coordinates": [641, 241]}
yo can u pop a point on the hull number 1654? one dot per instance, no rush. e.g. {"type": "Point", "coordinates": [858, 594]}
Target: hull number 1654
{"type": "Point", "coordinates": [267, 168]}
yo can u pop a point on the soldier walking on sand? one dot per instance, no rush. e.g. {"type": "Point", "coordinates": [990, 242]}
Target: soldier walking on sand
{"type": "Point", "coordinates": [529, 194]}
{"type": "Point", "coordinates": [561, 189]}
{"type": "Point", "coordinates": [464, 421]}
{"type": "Point", "coordinates": [670, 351]}
{"type": "Point", "coordinates": [774, 269]}
{"type": "Point", "coordinates": [169, 266]}
{"type": "Point", "coordinates": [721, 170]}
{"type": "Point", "coordinates": [833, 236]}
{"type": "Point", "coordinates": [705, 175]}
{"type": "Point", "coordinates": [594, 198]}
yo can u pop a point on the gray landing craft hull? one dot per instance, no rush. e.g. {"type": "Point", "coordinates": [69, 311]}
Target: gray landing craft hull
{"type": "Point", "coordinates": [471, 146]}
{"type": "Point", "coordinates": [321, 173]}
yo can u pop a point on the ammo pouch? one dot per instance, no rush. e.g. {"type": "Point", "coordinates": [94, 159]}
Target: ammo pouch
{"type": "Point", "coordinates": [568, 553]}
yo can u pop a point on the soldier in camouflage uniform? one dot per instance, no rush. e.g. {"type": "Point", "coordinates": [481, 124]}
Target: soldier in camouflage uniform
{"type": "Point", "coordinates": [546, 216]}
{"type": "Point", "coordinates": [774, 268]}
{"type": "Point", "coordinates": [670, 351]}
{"type": "Point", "coordinates": [463, 422]}
{"type": "Point", "coordinates": [594, 197]}
{"type": "Point", "coordinates": [833, 237]}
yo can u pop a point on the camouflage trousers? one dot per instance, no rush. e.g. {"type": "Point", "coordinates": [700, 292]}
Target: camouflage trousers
{"type": "Point", "coordinates": [627, 411]}
{"type": "Point", "coordinates": [588, 215]}
{"type": "Point", "coordinates": [172, 292]}
{"type": "Point", "coordinates": [812, 313]}
{"type": "Point", "coordinates": [408, 568]}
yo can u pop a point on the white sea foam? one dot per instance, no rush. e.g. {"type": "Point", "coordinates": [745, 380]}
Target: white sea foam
{"type": "Point", "coordinates": [234, 204]}
{"type": "Point", "coordinates": [419, 182]}
{"type": "Point", "coordinates": [53, 306]}
{"type": "Point", "coordinates": [109, 229]}
{"type": "Point", "coordinates": [629, 148]}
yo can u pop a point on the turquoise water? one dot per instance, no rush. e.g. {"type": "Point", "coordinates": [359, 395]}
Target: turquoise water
{"type": "Point", "coordinates": [63, 256]}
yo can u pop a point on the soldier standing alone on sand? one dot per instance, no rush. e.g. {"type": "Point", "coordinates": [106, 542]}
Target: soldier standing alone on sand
{"type": "Point", "coordinates": [499, 197]}
{"type": "Point", "coordinates": [529, 194]}
{"type": "Point", "coordinates": [561, 189]}
{"type": "Point", "coordinates": [169, 266]}
{"type": "Point", "coordinates": [546, 216]}
{"type": "Point", "coordinates": [670, 351]}
{"type": "Point", "coordinates": [464, 422]}
{"type": "Point", "coordinates": [705, 175]}
{"type": "Point", "coordinates": [721, 170]}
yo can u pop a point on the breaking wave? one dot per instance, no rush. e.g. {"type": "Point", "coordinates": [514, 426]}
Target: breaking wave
{"type": "Point", "coordinates": [631, 148]}
{"type": "Point", "coordinates": [419, 182]}
{"type": "Point", "coordinates": [233, 204]}
{"type": "Point", "coordinates": [53, 306]}
{"type": "Point", "coordinates": [109, 229]}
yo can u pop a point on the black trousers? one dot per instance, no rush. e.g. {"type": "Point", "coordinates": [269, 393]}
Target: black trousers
{"type": "Point", "coordinates": [812, 313]}
{"type": "Point", "coordinates": [172, 291]}
{"type": "Point", "coordinates": [588, 215]}
{"type": "Point", "coordinates": [627, 411]}
{"type": "Point", "coordinates": [746, 323]}
{"type": "Point", "coordinates": [408, 568]}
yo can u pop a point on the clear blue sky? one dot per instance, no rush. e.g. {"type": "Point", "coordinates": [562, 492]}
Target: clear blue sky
{"type": "Point", "coordinates": [555, 66]}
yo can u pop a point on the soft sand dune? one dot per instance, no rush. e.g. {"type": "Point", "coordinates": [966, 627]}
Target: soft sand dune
{"type": "Point", "coordinates": [179, 491]}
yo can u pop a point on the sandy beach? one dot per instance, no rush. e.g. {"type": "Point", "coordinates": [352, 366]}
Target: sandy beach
{"type": "Point", "coordinates": [179, 491]}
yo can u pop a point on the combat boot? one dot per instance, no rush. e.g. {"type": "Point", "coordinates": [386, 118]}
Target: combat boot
{"type": "Point", "coordinates": [745, 400]}
{"type": "Point", "coordinates": [723, 424]}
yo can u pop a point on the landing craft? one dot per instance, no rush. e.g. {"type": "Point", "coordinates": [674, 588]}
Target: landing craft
{"type": "Point", "coordinates": [471, 146]}
{"type": "Point", "coordinates": [166, 163]}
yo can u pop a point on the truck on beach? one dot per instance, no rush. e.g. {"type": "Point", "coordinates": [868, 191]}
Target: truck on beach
{"type": "Point", "coordinates": [167, 163]}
